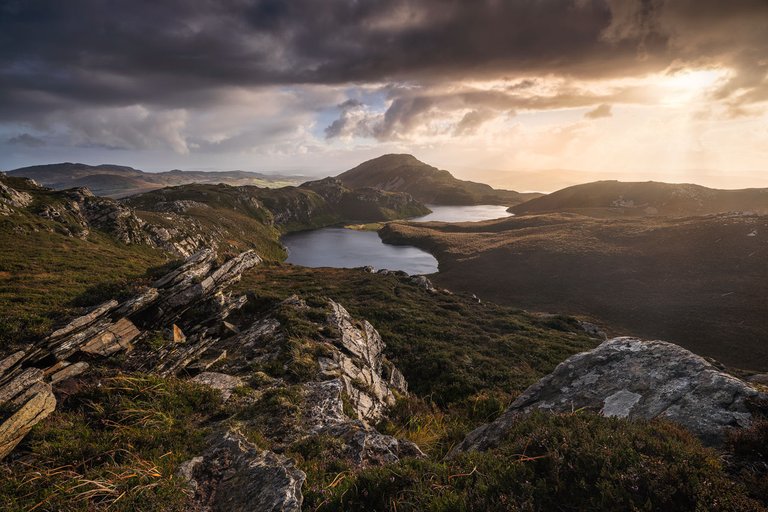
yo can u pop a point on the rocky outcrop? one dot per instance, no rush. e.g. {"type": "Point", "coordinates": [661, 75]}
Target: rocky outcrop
{"type": "Point", "coordinates": [35, 405]}
{"type": "Point", "coordinates": [634, 379]}
{"type": "Point", "coordinates": [11, 198]}
{"type": "Point", "coordinates": [194, 289]}
{"type": "Point", "coordinates": [234, 475]}
{"type": "Point", "coordinates": [295, 373]}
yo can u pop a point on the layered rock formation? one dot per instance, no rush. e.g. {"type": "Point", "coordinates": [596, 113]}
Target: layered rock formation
{"type": "Point", "coordinates": [634, 379]}
{"type": "Point", "coordinates": [329, 366]}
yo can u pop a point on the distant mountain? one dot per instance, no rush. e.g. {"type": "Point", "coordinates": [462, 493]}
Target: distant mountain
{"type": "Point", "coordinates": [405, 173]}
{"type": "Point", "coordinates": [119, 181]}
{"type": "Point", "coordinates": [617, 198]}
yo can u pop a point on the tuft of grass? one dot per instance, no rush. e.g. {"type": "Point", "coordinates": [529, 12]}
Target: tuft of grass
{"type": "Point", "coordinates": [556, 462]}
{"type": "Point", "coordinates": [115, 445]}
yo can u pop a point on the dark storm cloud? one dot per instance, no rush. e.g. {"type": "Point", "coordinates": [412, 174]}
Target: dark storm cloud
{"type": "Point", "coordinates": [181, 53]}
{"type": "Point", "coordinates": [25, 139]}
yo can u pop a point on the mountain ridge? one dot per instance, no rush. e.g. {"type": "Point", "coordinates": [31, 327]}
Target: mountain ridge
{"type": "Point", "coordinates": [118, 181]}
{"type": "Point", "coordinates": [646, 198]}
{"type": "Point", "coordinates": [428, 184]}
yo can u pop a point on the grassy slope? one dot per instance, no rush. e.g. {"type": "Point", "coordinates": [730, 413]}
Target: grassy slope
{"type": "Point", "coordinates": [700, 282]}
{"type": "Point", "coordinates": [448, 346]}
{"type": "Point", "coordinates": [46, 276]}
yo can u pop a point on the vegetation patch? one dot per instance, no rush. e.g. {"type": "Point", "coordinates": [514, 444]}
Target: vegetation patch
{"type": "Point", "coordinates": [114, 445]}
{"type": "Point", "coordinates": [556, 462]}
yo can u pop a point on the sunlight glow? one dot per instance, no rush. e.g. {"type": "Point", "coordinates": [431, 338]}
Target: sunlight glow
{"type": "Point", "coordinates": [687, 86]}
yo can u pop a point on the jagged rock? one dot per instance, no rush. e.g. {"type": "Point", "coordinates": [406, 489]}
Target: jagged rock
{"type": "Point", "coordinates": [20, 383]}
{"type": "Point", "coordinates": [219, 381]}
{"type": "Point", "coordinates": [69, 372]}
{"type": "Point", "coordinates": [34, 410]}
{"type": "Point", "coordinates": [10, 361]}
{"type": "Point", "coordinates": [13, 197]}
{"type": "Point", "coordinates": [364, 444]}
{"type": "Point", "coordinates": [634, 379]}
{"type": "Point", "coordinates": [115, 338]}
{"type": "Point", "coordinates": [363, 342]}
{"type": "Point", "coordinates": [85, 320]}
{"type": "Point", "coordinates": [233, 475]}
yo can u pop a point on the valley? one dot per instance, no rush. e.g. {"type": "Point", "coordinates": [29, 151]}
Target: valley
{"type": "Point", "coordinates": [170, 324]}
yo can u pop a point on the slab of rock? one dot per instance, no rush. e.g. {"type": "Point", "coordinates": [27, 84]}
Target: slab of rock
{"type": "Point", "coordinates": [68, 372]}
{"type": "Point", "coordinates": [34, 410]}
{"type": "Point", "coordinates": [220, 381]}
{"type": "Point", "coordinates": [10, 361]}
{"type": "Point", "coordinates": [634, 379]}
{"type": "Point", "coordinates": [115, 338]}
{"type": "Point", "coordinates": [233, 475]}
{"type": "Point", "coordinates": [361, 341]}
{"type": "Point", "coordinates": [20, 383]}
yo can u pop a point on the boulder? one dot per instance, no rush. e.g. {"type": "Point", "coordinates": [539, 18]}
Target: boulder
{"type": "Point", "coordinates": [634, 379]}
{"type": "Point", "coordinates": [233, 475]}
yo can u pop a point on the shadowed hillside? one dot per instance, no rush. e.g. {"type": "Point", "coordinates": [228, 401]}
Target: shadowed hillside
{"type": "Point", "coordinates": [700, 281]}
{"type": "Point", "coordinates": [616, 198]}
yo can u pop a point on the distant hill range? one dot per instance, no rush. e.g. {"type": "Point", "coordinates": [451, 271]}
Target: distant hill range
{"type": "Point", "coordinates": [405, 173]}
{"type": "Point", "coordinates": [616, 198]}
{"type": "Point", "coordinates": [118, 181]}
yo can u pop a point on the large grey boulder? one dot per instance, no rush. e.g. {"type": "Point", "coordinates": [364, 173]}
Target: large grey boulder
{"type": "Point", "coordinates": [634, 379]}
{"type": "Point", "coordinates": [234, 475]}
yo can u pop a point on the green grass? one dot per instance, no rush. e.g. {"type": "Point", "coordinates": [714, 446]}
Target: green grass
{"type": "Point", "coordinates": [114, 445]}
{"type": "Point", "coordinates": [448, 346]}
{"type": "Point", "coordinates": [45, 276]}
{"type": "Point", "coordinates": [554, 462]}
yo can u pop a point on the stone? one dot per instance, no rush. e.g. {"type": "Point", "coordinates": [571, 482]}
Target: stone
{"type": "Point", "coordinates": [234, 475]}
{"type": "Point", "coordinates": [69, 372]}
{"type": "Point", "coordinates": [34, 410]}
{"type": "Point", "coordinates": [423, 282]}
{"type": "Point", "coordinates": [364, 445]}
{"type": "Point", "coordinates": [10, 361]}
{"type": "Point", "coordinates": [219, 381]}
{"type": "Point", "coordinates": [20, 383]}
{"type": "Point", "coordinates": [115, 338]}
{"type": "Point", "coordinates": [80, 322]}
{"type": "Point", "coordinates": [365, 342]}
{"type": "Point", "coordinates": [634, 379]}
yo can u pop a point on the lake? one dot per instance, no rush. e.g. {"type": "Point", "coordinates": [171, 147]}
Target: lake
{"type": "Point", "coordinates": [347, 248]}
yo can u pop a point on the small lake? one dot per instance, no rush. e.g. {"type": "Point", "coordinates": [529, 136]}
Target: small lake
{"type": "Point", "coordinates": [347, 248]}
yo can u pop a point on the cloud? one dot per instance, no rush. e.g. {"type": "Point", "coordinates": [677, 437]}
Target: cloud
{"type": "Point", "coordinates": [603, 110]}
{"type": "Point", "coordinates": [25, 139]}
{"type": "Point", "coordinates": [177, 52]}
{"type": "Point", "coordinates": [253, 75]}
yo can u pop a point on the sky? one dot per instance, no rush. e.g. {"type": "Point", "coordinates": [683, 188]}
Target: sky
{"type": "Point", "coordinates": [525, 94]}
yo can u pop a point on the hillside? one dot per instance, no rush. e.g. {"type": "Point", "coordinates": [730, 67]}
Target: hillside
{"type": "Point", "coordinates": [700, 282]}
{"type": "Point", "coordinates": [120, 181]}
{"type": "Point", "coordinates": [132, 381]}
{"type": "Point", "coordinates": [430, 185]}
{"type": "Point", "coordinates": [619, 199]}
{"type": "Point", "coordinates": [60, 248]}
